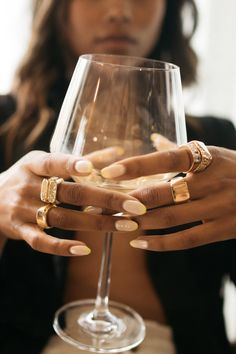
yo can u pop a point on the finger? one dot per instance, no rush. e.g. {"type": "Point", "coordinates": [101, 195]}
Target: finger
{"type": "Point", "coordinates": [175, 160]}
{"type": "Point", "coordinates": [83, 195]}
{"type": "Point", "coordinates": [42, 242]}
{"type": "Point", "coordinates": [211, 207]}
{"type": "Point", "coordinates": [199, 187]}
{"type": "Point", "coordinates": [161, 143]}
{"type": "Point", "coordinates": [68, 219]}
{"type": "Point", "coordinates": [104, 157]}
{"type": "Point", "coordinates": [155, 195]}
{"type": "Point", "coordinates": [56, 164]}
{"type": "Point", "coordinates": [214, 231]}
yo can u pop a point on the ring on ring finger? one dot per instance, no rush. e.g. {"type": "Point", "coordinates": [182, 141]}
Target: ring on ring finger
{"type": "Point", "coordinates": [41, 216]}
{"type": "Point", "coordinates": [179, 190]}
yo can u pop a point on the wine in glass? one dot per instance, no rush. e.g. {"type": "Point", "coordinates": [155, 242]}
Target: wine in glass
{"type": "Point", "coordinates": [115, 107]}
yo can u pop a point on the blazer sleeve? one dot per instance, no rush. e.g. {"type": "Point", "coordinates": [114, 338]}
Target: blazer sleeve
{"type": "Point", "coordinates": [212, 131]}
{"type": "Point", "coordinates": [218, 132]}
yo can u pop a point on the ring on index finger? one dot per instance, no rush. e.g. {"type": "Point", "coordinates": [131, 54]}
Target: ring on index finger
{"type": "Point", "coordinates": [200, 156]}
{"type": "Point", "coordinates": [179, 190]}
{"type": "Point", "coordinates": [48, 193]}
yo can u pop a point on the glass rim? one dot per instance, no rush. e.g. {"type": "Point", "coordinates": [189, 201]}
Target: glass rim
{"type": "Point", "coordinates": [94, 57]}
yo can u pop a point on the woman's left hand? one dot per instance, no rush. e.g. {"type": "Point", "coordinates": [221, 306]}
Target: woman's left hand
{"type": "Point", "coordinates": [212, 198]}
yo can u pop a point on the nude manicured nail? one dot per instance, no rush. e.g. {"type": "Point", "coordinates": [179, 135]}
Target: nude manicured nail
{"type": "Point", "coordinates": [139, 244]}
{"type": "Point", "coordinates": [113, 171]}
{"type": "Point", "coordinates": [134, 207]}
{"type": "Point", "coordinates": [84, 166]}
{"type": "Point", "coordinates": [80, 250]}
{"type": "Point", "coordinates": [93, 210]}
{"type": "Point", "coordinates": [126, 225]}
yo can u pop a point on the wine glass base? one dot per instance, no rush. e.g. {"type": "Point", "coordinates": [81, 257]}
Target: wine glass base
{"type": "Point", "coordinates": [74, 324]}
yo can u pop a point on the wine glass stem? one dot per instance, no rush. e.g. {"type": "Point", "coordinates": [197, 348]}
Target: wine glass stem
{"type": "Point", "coordinates": [102, 300]}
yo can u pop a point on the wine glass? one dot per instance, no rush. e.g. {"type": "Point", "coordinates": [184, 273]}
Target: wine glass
{"type": "Point", "coordinates": [115, 107]}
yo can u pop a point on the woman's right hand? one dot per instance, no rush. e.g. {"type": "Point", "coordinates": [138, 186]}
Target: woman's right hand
{"type": "Point", "coordinates": [20, 188]}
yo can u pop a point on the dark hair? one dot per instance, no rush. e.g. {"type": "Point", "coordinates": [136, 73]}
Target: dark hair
{"type": "Point", "coordinates": [48, 58]}
{"type": "Point", "coordinates": [174, 43]}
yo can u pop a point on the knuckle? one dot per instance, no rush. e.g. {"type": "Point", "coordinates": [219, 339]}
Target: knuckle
{"type": "Point", "coordinates": [112, 200]}
{"type": "Point", "coordinates": [56, 245]}
{"type": "Point", "coordinates": [230, 200]}
{"type": "Point", "coordinates": [159, 244]}
{"type": "Point", "coordinates": [70, 165]}
{"type": "Point", "coordinates": [60, 219]}
{"type": "Point", "coordinates": [150, 196]}
{"type": "Point", "coordinates": [47, 163]}
{"type": "Point", "coordinates": [219, 184]}
{"type": "Point", "coordinates": [75, 193]}
{"type": "Point", "coordinates": [167, 218]}
{"type": "Point", "coordinates": [215, 152]}
{"type": "Point", "coordinates": [34, 242]}
{"type": "Point", "coordinates": [174, 159]}
{"type": "Point", "coordinates": [188, 241]}
{"type": "Point", "coordinates": [102, 223]}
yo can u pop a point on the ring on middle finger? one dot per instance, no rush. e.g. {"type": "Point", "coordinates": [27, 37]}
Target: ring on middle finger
{"type": "Point", "coordinates": [179, 190]}
{"type": "Point", "coordinates": [48, 193]}
{"type": "Point", "coordinates": [41, 216]}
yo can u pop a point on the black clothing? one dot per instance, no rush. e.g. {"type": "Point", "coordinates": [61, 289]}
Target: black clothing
{"type": "Point", "coordinates": [187, 282]}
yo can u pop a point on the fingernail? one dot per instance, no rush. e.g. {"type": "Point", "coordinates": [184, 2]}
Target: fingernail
{"type": "Point", "coordinates": [126, 225]}
{"type": "Point", "coordinates": [93, 210]}
{"type": "Point", "coordinates": [84, 166]}
{"type": "Point", "coordinates": [80, 250]}
{"type": "Point", "coordinates": [113, 171]}
{"type": "Point", "coordinates": [139, 244]}
{"type": "Point", "coordinates": [134, 207]}
{"type": "Point", "coordinates": [120, 151]}
{"type": "Point", "coordinates": [154, 136]}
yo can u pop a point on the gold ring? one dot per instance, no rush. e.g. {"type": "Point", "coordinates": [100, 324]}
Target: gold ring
{"type": "Point", "coordinates": [179, 190]}
{"type": "Point", "coordinates": [48, 193]}
{"type": "Point", "coordinates": [200, 156]}
{"type": "Point", "coordinates": [41, 216]}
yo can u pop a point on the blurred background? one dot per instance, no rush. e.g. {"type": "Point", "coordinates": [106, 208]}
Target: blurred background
{"type": "Point", "coordinates": [215, 92]}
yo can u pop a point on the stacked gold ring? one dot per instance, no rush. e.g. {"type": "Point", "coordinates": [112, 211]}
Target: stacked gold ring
{"type": "Point", "coordinates": [200, 156]}
{"type": "Point", "coordinates": [48, 195]}
{"type": "Point", "coordinates": [49, 186]}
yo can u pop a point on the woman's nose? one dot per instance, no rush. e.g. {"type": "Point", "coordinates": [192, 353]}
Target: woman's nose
{"type": "Point", "coordinates": [119, 11]}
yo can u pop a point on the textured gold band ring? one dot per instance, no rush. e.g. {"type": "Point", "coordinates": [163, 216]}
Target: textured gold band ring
{"type": "Point", "coordinates": [41, 216]}
{"type": "Point", "coordinates": [179, 190]}
{"type": "Point", "coordinates": [48, 193]}
{"type": "Point", "coordinates": [200, 156]}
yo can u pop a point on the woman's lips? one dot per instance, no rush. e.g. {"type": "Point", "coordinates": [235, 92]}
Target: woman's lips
{"type": "Point", "coordinates": [116, 41]}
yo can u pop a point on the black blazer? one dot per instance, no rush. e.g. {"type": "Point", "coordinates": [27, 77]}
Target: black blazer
{"type": "Point", "coordinates": [188, 282]}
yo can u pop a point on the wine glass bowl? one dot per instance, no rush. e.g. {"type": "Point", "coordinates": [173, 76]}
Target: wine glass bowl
{"type": "Point", "coordinates": [115, 107]}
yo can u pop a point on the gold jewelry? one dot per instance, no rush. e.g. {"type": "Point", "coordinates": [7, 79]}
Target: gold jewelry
{"type": "Point", "coordinates": [206, 156]}
{"type": "Point", "coordinates": [41, 216]}
{"type": "Point", "coordinates": [179, 190]}
{"type": "Point", "coordinates": [200, 155]}
{"type": "Point", "coordinates": [48, 193]}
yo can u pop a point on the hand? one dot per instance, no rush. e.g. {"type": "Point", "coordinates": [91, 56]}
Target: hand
{"type": "Point", "coordinates": [20, 189]}
{"type": "Point", "coordinates": [212, 198]}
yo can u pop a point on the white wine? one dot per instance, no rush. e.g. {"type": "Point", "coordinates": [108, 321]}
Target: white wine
{"type": "Point", "coordinates": [126, 186]}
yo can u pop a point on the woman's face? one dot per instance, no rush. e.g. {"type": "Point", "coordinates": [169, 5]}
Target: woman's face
{"type": "Point", "coordinates": [128, 27]}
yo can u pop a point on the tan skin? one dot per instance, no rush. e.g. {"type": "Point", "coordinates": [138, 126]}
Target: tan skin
{"type": "Point", "coordinates": [129, 27]}
{"type": "Point", "coordinates": [117, 27]}
{"type": "Point", "coordinates": [114, 26]}
{"type": "Point", "coordinates": [212, 199]}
